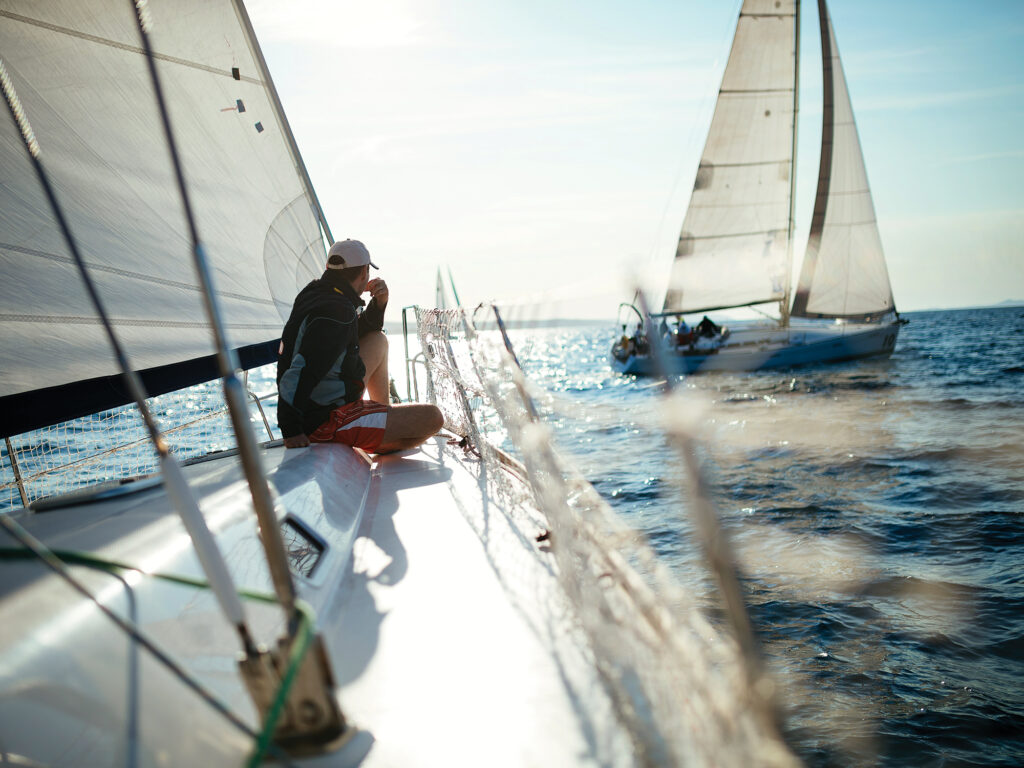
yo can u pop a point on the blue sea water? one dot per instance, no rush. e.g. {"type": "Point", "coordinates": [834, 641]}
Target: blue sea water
{"type": "Point", "coordinates": [877, 508]}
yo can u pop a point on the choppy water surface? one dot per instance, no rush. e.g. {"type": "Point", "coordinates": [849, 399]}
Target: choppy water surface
{"type": "Point", "coordinates": [878, 507]}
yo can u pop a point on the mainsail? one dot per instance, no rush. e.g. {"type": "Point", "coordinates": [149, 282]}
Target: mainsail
{"type": "Point", "coordinates": [844, 272]}
{"type": "Point", "coordinates": [82, 79]}
{"type": "Point", "coordinates": [734, 246]}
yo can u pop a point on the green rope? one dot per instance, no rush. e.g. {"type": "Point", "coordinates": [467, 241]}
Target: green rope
{"type": "Point", "coordinates": [302, 641]}
{"type": "Point", "coordinates": [70, 557]}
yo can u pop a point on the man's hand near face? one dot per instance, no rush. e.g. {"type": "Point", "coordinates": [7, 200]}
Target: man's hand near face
{"type": "Point", "coordinates": [378, 290]}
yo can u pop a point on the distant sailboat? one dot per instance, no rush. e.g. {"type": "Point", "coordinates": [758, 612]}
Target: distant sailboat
{"type": "Point", "coordinates": [736, 245]}
{"type": "Point", "coordinates": [440, 297]}
{"type": "Point", "coordinates": [446, 297]}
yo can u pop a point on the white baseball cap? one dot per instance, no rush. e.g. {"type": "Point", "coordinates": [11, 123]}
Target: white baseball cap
{"type": "Point", "coordinates": [348, 253]}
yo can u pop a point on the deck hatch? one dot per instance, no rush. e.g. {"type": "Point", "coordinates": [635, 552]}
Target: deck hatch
{"type": "Point", "coordinates": [305, 549]}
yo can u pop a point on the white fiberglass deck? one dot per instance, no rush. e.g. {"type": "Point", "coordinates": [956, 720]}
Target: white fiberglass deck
{"type": "Point", "coordinates": [452, 643]}
{"type": "Point", "coordinates": [450, 639]}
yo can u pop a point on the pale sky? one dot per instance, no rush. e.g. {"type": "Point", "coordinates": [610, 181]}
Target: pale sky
{"type": "Point", "coordinates": [544, 151]}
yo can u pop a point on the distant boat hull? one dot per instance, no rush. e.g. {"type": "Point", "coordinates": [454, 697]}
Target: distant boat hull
{"type": "Point", "coordinates": [759, 347]}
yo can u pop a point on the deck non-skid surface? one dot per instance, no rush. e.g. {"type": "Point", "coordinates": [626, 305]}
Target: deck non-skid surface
{"type": "Point", "coordinates": [452, 645]}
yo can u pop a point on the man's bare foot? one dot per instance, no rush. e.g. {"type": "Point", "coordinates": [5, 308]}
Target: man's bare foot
{"type": "Point", "coordinates": [296, 441]}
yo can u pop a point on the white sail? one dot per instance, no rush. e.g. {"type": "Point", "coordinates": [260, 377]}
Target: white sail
{"type": "Point", "coordinates": [844, 272]}
{"type": "Point", "coordinates": [85, 88]}
{"type": "Point", "coordinates": [733, 249]}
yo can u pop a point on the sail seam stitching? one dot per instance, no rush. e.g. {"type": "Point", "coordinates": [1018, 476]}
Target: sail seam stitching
{"type": "Point", "coordinates": [124, 46]}
{"type": "Point", "coordinates": [127, 273]}
{"type": "Point", "coordinates": [736, 206]}
{"type": "Point", "coordinates": [712, 308]}
{"type": "Point", "coordinates": [744, 165]}
{"type": "Point", "coordinates": [82, 320]}
{"type": "Point", "coordinates": [756, 90]}
{"type": "Point", "coordinates": [737, 234]}
{"type": "Point", "coordinates": [840, 224]}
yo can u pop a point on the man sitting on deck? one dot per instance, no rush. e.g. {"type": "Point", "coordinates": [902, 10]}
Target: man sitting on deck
{"type": "Point", "coordinates": [331, 353]}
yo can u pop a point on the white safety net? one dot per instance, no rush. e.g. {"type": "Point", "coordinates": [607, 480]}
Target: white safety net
{"type": "Point", "coordinates": [114, 445]}
{"type": "Point", "coordinates": [677, 680]}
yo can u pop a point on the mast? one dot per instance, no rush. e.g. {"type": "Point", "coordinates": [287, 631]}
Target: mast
{"type": "Point", "coordinates": [825, 169]}
{"type": "Point", "coordinates": [784, 304]}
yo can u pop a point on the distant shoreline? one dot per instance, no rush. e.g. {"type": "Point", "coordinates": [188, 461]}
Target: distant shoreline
{"type": "Point", "coordinates": [1008, 304]}
{"type": "Point", "coordinates": [511, 324]}
{"type": "Point", "coordinates": [580, 322]}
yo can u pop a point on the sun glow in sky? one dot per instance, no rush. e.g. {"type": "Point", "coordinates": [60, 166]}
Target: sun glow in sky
{"type": "Point", "coordinates": [545, 151]}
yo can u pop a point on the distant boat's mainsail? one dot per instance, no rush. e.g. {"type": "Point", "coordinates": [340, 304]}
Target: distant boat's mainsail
{"type": "Point", "coordinates": [844, 272]}
{"type": "Point", "coordinates": [114, 180]}
{"type": "Point", "coordinates": [734, 246]}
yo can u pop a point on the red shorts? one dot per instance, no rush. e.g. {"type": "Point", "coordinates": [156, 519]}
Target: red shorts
{"type": "Point", "coordinates": [359, 424]}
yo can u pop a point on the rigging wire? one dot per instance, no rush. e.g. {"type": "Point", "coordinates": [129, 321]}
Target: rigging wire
{"type": "Point", "coordinates": [596, 535]}
{"type": "Point", "coordinates": [263, 503]}
{"type": "Point", "coordinates": [717, 549]}
{"type": "Point", "coordinates": [257, 669]}
{"type": "Point", "coordinates": [178, 490]}
{"type": "Point", "coordinates": [56, 562]}
{"type": "Point", "coordinates": [176, 487]}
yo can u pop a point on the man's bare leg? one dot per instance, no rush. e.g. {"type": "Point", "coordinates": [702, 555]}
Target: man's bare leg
{"type": "Point", "coordinates": [373, 349]}
{"type": "Point", "coordinates": [410, 425]}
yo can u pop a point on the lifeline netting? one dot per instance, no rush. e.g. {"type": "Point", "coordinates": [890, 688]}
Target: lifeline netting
{"type": "Point", "coordinates": [680, 684]}
{"type": "Point", "coordinates": [114, 444]}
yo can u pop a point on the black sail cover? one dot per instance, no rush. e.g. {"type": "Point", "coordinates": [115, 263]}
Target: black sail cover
{"type": "Point", "coordinates": [82, 78]}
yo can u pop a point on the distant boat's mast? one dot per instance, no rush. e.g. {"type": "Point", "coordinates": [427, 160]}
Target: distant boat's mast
{"type": "Point", "coordinates": [455, 293]}
{"type": "Point", "coordinates": [821, 199]}
{"type": "Point", "coordinates": [784, 304]}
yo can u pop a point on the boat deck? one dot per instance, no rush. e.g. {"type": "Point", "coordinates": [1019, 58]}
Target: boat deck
{"type": "Point", "coordinates": [450, 639]}
{"type": "Point", "coordinates": [465, 653]}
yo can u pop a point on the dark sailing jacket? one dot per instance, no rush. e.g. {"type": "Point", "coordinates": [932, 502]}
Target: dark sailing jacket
{"type": "Point", "coordinates": [319, 367]}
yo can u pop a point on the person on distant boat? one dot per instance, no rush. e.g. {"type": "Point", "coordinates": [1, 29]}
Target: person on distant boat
{"type": "Point", "coordinates": [684, 334]}
{"type": "Point", "coordinates": [640, 345]}
{"type": "Point", "coordinates": [332, 352]}
{"type": "Point", "coordinates": [706, 328]}
{"type": "Point", "coordinates": [624, 348]}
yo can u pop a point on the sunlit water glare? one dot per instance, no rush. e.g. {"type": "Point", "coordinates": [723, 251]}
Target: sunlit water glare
{"type": "Point", "coordinates": [877, 510]}
{"type": "Point", "coordinates": [876, 506]}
